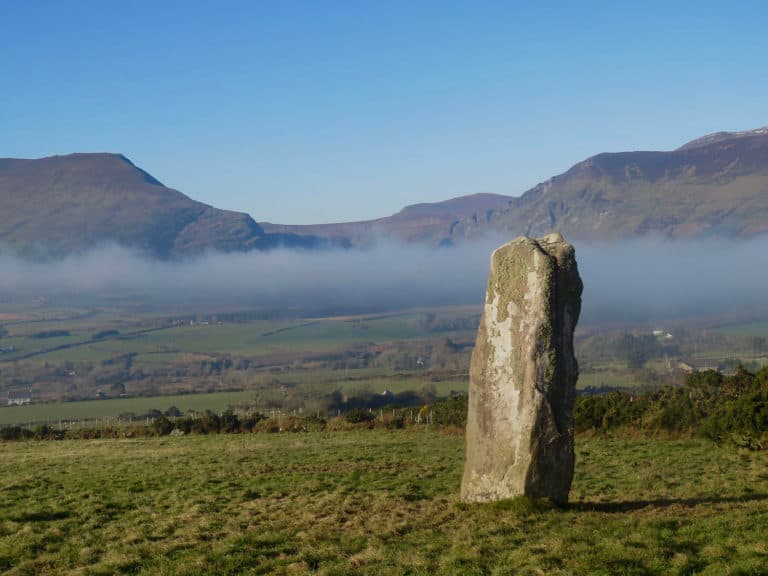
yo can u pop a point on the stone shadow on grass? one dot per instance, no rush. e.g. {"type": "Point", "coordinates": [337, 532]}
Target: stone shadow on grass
{"type": "Point", "coordinates": [630, 505]}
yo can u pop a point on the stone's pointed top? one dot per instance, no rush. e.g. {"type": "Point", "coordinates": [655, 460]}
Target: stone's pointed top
{"type": "Point", "coordinates": [519, 241]}
{"type": "Point", "coordinates": [553, 244]}
{"type": "Point", "coordinates": [553, 238]}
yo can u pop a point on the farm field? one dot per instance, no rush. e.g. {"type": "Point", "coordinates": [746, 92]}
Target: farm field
{"type": "Point", "coordinates": [372, 502]}
{"type": "Point", "coordinates": [254, 337]}
{"type": "Point", "coordinates": [93, 410]}
{"type": "Point", "coordinates": [757, 328]}
{"type": "Point", "coordinates": [90, 410]}
{"type": "Point", "coordinates": [67, 356]}
{"type": "Point", "coordinates": [100, 354]}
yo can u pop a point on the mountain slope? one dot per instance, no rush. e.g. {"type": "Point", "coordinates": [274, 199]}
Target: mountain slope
{"type": "Point", "coordinates": [62, 204]}
{"type": "Point", "coordinates": [716, 186]}
{"type": "Point", "coordinates": [427, 222]}
{"type": "Point", "coordinates": [713, 186]}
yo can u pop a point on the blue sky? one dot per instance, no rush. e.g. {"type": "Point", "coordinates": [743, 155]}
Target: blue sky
{"type": "Point", "coordinates": [301, 112]}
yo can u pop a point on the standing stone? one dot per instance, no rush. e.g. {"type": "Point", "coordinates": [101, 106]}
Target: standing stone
{"type": "Point", "coordinates": [522, 381]}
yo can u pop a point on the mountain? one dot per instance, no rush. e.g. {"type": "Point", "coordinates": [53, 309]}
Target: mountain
{"type": "Point", "coordinates": [428, 222]}
{"type": "Point", "coordinates": [713, 186]}
{"type": "Point", "coordinates": [62, 204]}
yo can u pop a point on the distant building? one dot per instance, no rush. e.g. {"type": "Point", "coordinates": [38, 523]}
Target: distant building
{"type": "Point", "coordinates": [689, 367]}
{"type": "Point", "coordinates": [685, 367]}
{"type": "Point", "coordinates": [19, 397]}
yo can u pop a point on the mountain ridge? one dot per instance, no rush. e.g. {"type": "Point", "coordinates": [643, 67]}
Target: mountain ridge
{"type": "Point", "coordinates": [57, 205]}
{"type": "Point", "coordinates": [413, 223]}
{"type": "Point", "coordinates": [716, 185]}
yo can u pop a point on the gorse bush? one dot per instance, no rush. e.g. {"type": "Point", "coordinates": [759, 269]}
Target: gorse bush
{"type": "Point", "coordinates": [15, 433]}
{"type": "Point", "coordinates": [720, 407]}
{"type": "Point", "coordinates": [606, 411]}
{"type": "Point", "coordinates": [451, 412]}
{"type": "Point", "coordinates": [211, 423]}
{"type": "Point", "coordinates": [357, 415]}
{"type": "Point", "coordinates": [162, 426]}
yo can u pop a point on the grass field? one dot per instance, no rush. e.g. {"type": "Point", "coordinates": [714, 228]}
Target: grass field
{"type": "Point", "coordinates": [372, 502]}
{"type": "Point", "coordinates": [759, 328]}
{"type": "Point", "coordinates": [253, 338]}
{"type": "Point", "coordinates": [317, 383]}
{"type": "Point", "coordinates": [99, 409]}
{"type": "Point", "coordinates": [108, 352]}
{"type": "Point", "coordinates": [613, 378]}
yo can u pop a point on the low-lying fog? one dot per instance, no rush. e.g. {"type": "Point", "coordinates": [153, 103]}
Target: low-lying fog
{"type": "Point", "coordinates": [626, 281]}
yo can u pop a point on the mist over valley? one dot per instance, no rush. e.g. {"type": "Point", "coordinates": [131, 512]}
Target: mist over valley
{"type": "Point", "coordinates": [641, 281]}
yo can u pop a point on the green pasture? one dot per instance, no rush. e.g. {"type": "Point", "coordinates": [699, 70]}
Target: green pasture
{"type": "Point", "coordinates": [102, 350]}
{"type": "Point", "coordinates": [83, 321]}
{"type": "Point", "coordinates": [442, 388]}
{"type": "Point", "coordinates": [613, 375]}
{"type": "Point", "coordinates": [759, 329]}
{"type": "Point", "coordinates": [254, 338]}
{"type": "Point", "coordinates": [372, 502]}
{"type": "Point", "coordinates": [25, 344]}
{"type": "Point", "coordinates": [306, 386]}
{"type": "Point", "coordinates": [112, 408]}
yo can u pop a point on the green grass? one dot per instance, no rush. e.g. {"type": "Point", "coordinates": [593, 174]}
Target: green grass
{"type": "Point", "coordinates": [254, 338]}
{"type": "Point", "coordinates": [759, 328]}
{"type": "Point", "coordinates": [442, 388]}
{"type": "Point", "coordinates": [98, 351]}
{"type": "Point", "coordinates": [371, 502]}
{"type": "Point", "coordinates": [314, 384]}
{"type": "Point", "coordinates": [327, 381]}
{"type": "Point", "coordinates": [614, 374]}
{"type": "Point", "coordinates": [99, 409]}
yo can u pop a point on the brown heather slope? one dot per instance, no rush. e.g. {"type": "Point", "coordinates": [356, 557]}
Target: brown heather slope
{"type": "Point", "coordinates": [63, 204]}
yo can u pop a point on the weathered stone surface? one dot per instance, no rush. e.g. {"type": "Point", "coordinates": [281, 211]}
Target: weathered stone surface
{"type": "Point", "coordinates": [523, 375]}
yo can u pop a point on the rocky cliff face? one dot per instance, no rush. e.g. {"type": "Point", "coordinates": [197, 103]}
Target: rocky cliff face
{"type": "Point", "coordinates": [523, 375]}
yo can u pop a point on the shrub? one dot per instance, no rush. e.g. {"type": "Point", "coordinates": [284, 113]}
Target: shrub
{"type": "Point", "coordinates": [391, 422]}
{"type": "Point", "coordinates": [162, 426]}
{"type": "Point", "coordinates": [15, 433]}
{"type": "Point", "coordinates": [451, 412]}
{"type": "Point", "coordinates": [721, 407]}
{"type": "Point", "coordinates": [252, 420]}
{"type": "Point", "coordinates": [358, 415]}
{"type": "Point", "coordinates": [45, 432]}
{"type": "Point", "coordinates": [229, 422]}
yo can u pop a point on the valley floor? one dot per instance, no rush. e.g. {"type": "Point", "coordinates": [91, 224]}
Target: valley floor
{"type": "Point", "coordinates": [372, 502]}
